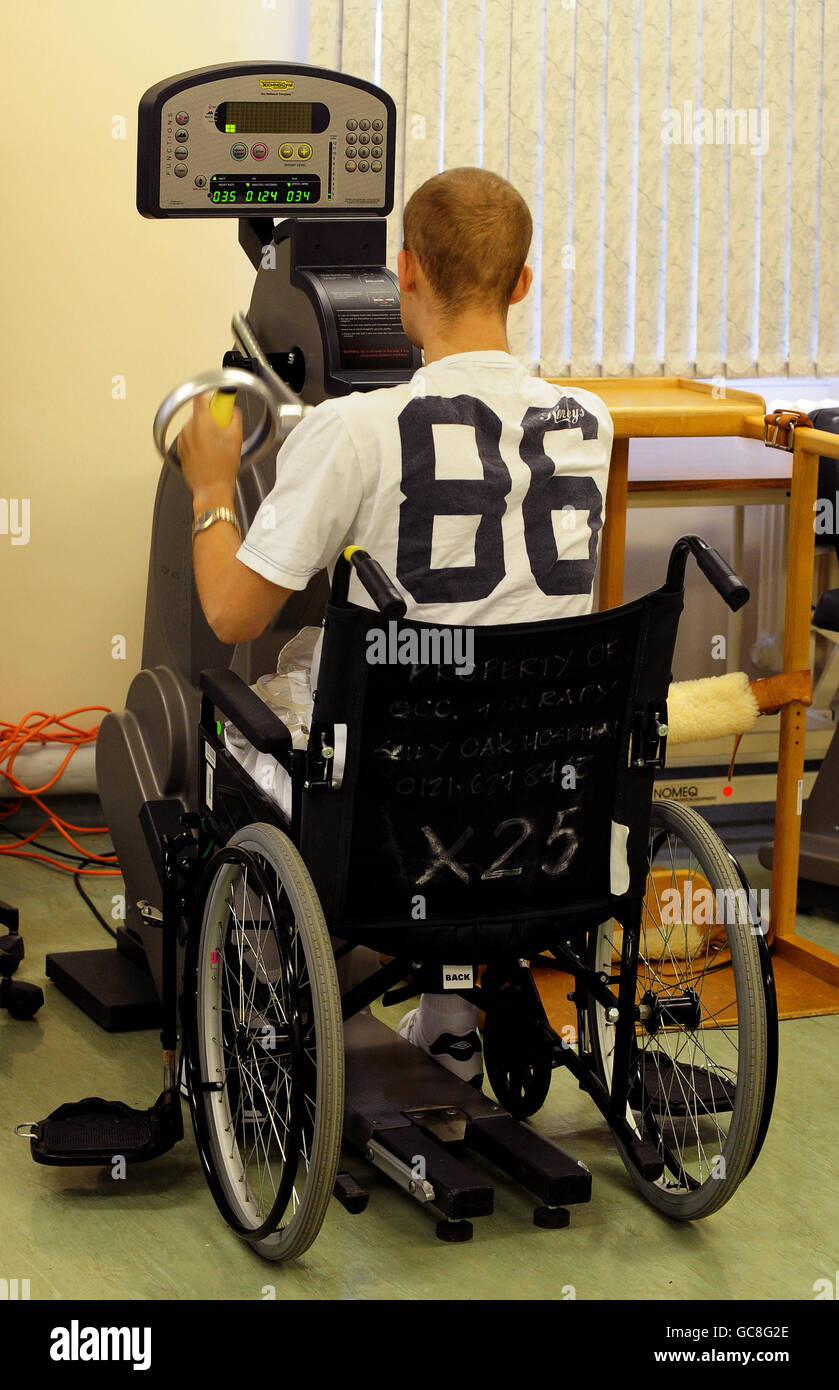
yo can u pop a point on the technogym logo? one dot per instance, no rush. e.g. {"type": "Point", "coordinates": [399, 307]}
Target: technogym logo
{"type": "Point", "coordinates": [78, 1343]}
{"type": "Point", "coordinates": [428, 646]}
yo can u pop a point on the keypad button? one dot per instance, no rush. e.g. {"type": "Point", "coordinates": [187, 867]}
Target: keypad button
{"type": "Point", "coordinates": [304, 151]}
{"type": "Point", "coordinates": [350, 166]}
{"type": "Point", "coordinates": [181, 135]}
{"type": "Point", "coordinates": [350, 152]}
{"type": "Point", "coordinates": [352, 125]}
{"type": "Point", "coordinates": [351, 139]}
{"type": "Point", "coordinates": [377, 139]}
{"type": "Point", "coordinates": [182, 118]}
{"type": "Point", "coordinates": [364, 125]}
{"type": "Point", "coordinates": [238, 151]}
{"type": "Point", "coordinates": [364, 139]}
{"type": "Point", "coordinates": [363, 166]}
{"type": "Point", "coordinates": [182, 154]}
{"type": "Point", "coordinates": [259, 150]}
{"type": "Point", "coordinates": [286, 151]}
{"type": "Point", "coordinates": [378, 125]}
{"type": "Point", "coordinates": [181, 171]}
{"type": "Point", "coordinates": [376, 166]}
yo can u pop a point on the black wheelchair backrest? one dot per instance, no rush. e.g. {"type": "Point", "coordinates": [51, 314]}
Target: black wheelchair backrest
{"type": "Point", "coordinates": [493, 806]}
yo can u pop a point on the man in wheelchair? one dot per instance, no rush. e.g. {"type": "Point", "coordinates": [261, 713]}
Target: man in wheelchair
{"type": "Point", "coordinates": [438, 478]}
{"type": "Point", "coordinates": [490, 806]}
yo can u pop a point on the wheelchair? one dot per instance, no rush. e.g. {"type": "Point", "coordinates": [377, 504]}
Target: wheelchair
{"type": "Point", "coordinates": [467, 825]}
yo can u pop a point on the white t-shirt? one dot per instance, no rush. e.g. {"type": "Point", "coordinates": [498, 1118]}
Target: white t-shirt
{"type": "Point", "coordinates": [478, 488]}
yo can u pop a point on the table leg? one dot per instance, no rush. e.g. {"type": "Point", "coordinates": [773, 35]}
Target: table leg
{"type": "Point", "coordinates": [799, 580]}
{"type": "Point", "coordinates": [613, 536]}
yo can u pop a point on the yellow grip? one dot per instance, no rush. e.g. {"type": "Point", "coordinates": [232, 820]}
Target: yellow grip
{"type": "Point", "coordinates": [352, 550]}
{"type": "Point", "coordinates": [221, 406]}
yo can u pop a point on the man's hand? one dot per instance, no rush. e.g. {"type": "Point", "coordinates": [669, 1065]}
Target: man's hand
{"type": "Point", "coordinates": [210, 455]}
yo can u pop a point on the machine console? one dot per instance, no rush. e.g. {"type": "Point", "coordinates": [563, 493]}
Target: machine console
{"type": "Point", "coordinates": [265, 140]}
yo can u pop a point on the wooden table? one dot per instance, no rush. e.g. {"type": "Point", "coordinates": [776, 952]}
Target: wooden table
{"type": "Point", "coordinates": [679, 408]}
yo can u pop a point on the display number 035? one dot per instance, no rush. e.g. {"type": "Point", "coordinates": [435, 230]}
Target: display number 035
{"type": "Point", "coordinates": [426, 496]}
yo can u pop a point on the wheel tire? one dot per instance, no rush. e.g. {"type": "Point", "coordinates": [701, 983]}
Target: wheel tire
{"type": "Point", "coordinates": [306, 977]}
{"type": "Point", "coordinates": [741, 1094]}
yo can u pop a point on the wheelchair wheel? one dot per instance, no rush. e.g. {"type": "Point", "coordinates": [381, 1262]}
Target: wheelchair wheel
{"type": "Point", "coordinates": [517, 1057]}
{"type": "Point", "coordinates": [264, 1044]}
{"type": "Point", "coordinates": [702, 1076]}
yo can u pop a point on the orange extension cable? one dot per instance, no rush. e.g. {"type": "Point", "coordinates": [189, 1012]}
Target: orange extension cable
{"type": "Point", "coordinates": [12, 739]}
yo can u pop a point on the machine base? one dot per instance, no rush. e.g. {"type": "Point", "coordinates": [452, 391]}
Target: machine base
{"type": "Point", "coordinates": [108, 987]}
{"type": "Point", "coordinates": [416, 1122]}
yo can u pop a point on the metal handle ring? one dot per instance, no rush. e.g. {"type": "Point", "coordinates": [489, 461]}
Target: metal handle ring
{"type": "Point", "coordinates": [275, 420]}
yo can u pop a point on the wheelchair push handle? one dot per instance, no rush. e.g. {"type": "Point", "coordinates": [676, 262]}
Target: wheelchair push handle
{"type": "Point", "coordinates": [381, 589]}
{"type": "Point", "coordinates": [716, 569]}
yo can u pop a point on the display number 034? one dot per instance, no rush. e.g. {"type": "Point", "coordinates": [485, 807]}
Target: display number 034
{"type": "Point", "coordinates": [426, 496]}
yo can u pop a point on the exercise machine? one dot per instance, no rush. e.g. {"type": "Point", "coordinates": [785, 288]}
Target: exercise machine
{"type": "Point", "coordinates": [245, 141]}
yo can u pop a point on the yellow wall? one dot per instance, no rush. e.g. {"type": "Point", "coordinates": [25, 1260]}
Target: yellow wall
{"type": "Point", "coordinates": [91, 291]}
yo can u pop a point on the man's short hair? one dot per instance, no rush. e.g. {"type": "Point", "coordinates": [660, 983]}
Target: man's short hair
{"type": "Point", "coordinates": [470, 231]}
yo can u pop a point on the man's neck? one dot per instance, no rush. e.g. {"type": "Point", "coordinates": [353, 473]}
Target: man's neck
{"type": "Point", "coordinates": [469, 333]}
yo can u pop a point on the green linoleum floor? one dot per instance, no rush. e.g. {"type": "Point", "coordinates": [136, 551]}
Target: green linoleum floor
{"type": "Point", "coordinates": [78, 1233]}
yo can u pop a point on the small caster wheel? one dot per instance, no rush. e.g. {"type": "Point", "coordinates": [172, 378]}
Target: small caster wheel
{"type": "Point", "coordinates": [551, 1218]}
{"type": "Point", "coordinates": [454, 1232]}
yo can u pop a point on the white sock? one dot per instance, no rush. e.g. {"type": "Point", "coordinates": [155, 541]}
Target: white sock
{"type": "Point", "coordinates": [444, 1013]}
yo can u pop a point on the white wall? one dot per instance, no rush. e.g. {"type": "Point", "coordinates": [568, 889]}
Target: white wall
{"type": "Point", "coordinates": [91, 290]}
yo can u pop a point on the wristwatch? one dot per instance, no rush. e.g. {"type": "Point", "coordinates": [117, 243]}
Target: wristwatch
{"type": "Point", "coordinates": [207, 518]}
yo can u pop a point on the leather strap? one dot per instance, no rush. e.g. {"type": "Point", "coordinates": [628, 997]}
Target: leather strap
{"type": "Point", "coordinates": [779, 428]}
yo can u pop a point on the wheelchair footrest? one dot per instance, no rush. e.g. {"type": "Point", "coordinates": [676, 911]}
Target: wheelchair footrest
{"type": "Point", "coordinates": [93, 1132]}
{"type": "Point", "coordinates": [668, 1088]}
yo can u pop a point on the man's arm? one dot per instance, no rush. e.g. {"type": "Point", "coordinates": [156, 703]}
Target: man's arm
{"type": "Point", "coordinates": [238, 603]}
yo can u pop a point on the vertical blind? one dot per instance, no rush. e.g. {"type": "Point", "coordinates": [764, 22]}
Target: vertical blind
{"type": "Point", "coordinates": [675, 155]}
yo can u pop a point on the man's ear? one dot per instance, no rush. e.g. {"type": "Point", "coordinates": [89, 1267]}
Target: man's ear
{"type": "Point", "coordinates": [523, 284]}
{"type": "Point", "coordinates": [406, 265]}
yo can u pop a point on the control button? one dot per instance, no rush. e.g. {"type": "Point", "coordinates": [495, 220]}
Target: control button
{"type": "Point", "coordinates": [350, 166]}
{"type": "Point", "coordinates": [200, 181]}
{"type": "Point", "coordinates": [364, 125]}
{"type": "Point", "coordinates": [363, 166]}
{"type": "Point", "coordinates": [259, 150]}
{"type": "Point", "coordinates": [352, 125]}
{"type": "Point", "coordinates": [181, 135]}
{"type": "Point", "coordinates": [304, 151]}
{"type": "Point", "coordinates": [350, 152]}
{"type": "Point", "coordinates": [237, 151]}
{"type": "Point", "coordinates": [376, 166]}
{"type": "Point", "coordinates": [364, 139]}
{"type": "Point", "coordinates": [286, 151]}
{"type": "Point", "coordinates": [182, 154]}
{"type": "Point", "coordinates": [351, 139]}
{"type": "Point", "coordinates": [181, 171]}
{"type": "Point", "coordinates": [378, 125]}
{"type": "Point", "coordinates": [377, 139]}
{"type": "Point", "coordinates": [182, 118]}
